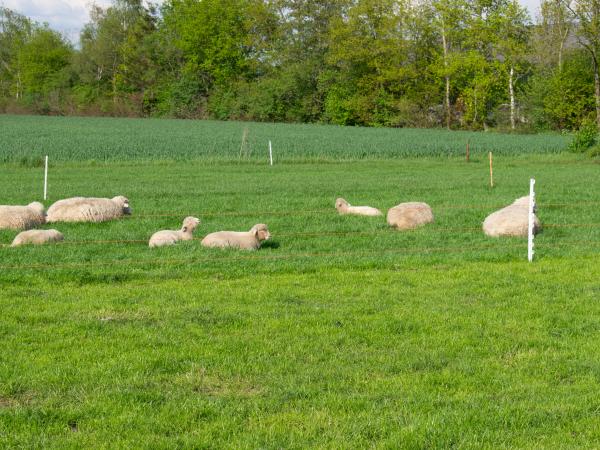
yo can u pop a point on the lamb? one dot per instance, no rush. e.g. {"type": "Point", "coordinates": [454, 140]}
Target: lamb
{"type": "Point", "coordinates": [37, 237]}
{"type": "Point", "coordinates": [170, 237]}
{"type": "Point", "coordinates": [245, 240]}
{"type": "Point", "coordinates": [82, 209]}
{"type": "Point", "coordinates": [22, 217]}
{"type": "Point", "coordinates": [343, 207]}
{"type": "Point", "coordinates": [409, 215]}
{"type": "Point", "coordinates": [512, 220]}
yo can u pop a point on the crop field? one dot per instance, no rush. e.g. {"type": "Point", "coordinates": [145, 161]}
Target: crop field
{"type": "Point", "coordinates": [26, 139]}
{"type": "Point", "coordinates": [338, 333]}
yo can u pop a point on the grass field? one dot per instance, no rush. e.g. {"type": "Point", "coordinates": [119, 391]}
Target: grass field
{"type": "Point", "coordinates": [340, 333]}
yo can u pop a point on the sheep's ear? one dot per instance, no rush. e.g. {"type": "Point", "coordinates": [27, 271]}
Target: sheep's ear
{"type": "Point", "coordinates": [184, 229]}
{"type": "Point", "coordinates": [256, 231]}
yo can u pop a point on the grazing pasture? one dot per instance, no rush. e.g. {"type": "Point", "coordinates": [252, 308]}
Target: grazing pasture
{"type": "Point", "coordinates": [339, 333]}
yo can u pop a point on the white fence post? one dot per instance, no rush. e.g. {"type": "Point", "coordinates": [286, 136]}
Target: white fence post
{"type": "Point", "coordinates": [530, 220]}
{"type": "Point", "coordinates": [46, 179]}
{"type": "Point", "coordinates": [270, 153]}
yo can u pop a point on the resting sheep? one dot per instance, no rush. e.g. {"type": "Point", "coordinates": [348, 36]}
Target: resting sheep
{"type": "Point", "coordinates": [37, 237]}
{"type": "Point", "coordinates": [170, 237]}
{"type": "Point", "coordinates": [245, 240]}
{"type": "Point", "coordinates": [22, 217]}
{"type": "Point", "coordinates": [409, 215]}
{"type": "Point", "coordinates": [512, 220]}
{"type": "Point", "coordinates": [343, 207]}
{"type": "Point", "coordinates": [88, 209]}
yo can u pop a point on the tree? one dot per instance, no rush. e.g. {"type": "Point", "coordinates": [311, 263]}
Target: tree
{"type": "Point", "coordinates": [369, 55]}
{"type": "Point", "coordinates": [586, 15]}
{"type": "Point", "coordinates": [511, 24]}
{"type": "Point", "coordinates": [449, 19]}
{"type": "Point", "coordinates": [116, 56]}
{"type": "Point", "coordinates": [551, 33]}
{"type": "Point", "coordinates": [15, 30]}
{"type": "Point", "coordinates": [42, 60]}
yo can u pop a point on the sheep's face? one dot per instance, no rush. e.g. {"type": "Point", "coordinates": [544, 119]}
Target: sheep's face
{"type": "Point", "coordinates": [261, 232]}
{"type": "Point", "coordinates": [123, 202]}
{"type": "Point", "coordinates": [37, 207]}
{"type": "Point", "coordinates": [190, 224]}
{"type": "Point", "coordinates": [340, 203]}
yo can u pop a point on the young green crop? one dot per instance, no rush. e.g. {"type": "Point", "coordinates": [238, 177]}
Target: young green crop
{"type": "Point", "coordinates": [26, 139]}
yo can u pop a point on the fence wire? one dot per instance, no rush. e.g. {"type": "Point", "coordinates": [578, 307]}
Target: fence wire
{"type": "Point", "coordinates": [308, 212]}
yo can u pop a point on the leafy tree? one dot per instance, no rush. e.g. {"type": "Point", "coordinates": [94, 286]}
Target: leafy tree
{"type": "Point", "coordinates": [15, 30]}
{"type": "Point", "coordinates": [586, 15]}
{"type": "Point", "coordinates": [42, 60]}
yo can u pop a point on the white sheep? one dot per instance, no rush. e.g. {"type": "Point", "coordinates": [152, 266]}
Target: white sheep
{"type": "Point", "coordinates": [37, 237]}
{"type": "Point", "coordinates": [88, 209]}
{"type": "Point", "coordinates": [245, 240]}
{"type": "Point", "coordinates": [343, 207]}
{"type": "Point", "coordinates": [409, 215]}
{"type": "Point", "coordinates": [512, 220]}
{"type": "Point", "coordinates": [22, 217]}
{"type": "Point", "coordinates": [170, 237]}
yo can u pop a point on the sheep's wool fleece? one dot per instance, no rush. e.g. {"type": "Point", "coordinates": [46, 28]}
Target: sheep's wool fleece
{"type": "Point", "coordinates": [21, 217]}
{"type": "Point", "coordinates": [84, 209]}
{"type": "Point", "coordinates": [406, 216]}
{"type": "Point", "coordinates": [37, 237]}
{"type": "Point", "coordinates": [512, 220]}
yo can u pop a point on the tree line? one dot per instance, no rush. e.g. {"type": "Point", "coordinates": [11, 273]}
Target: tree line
{"type": "Point", "coordinates": [468, 64]}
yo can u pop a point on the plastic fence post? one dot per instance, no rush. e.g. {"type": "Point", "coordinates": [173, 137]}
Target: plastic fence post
{"type": "Point", "coordinates": [530, 220]}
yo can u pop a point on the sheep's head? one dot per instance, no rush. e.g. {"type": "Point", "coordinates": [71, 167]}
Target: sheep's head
{"type": "Point", "coordinates": [123, 202]}
{"type": "Point", "coordinates": [37, 207]}
{"type": "Point", "coordinates": [190, 224]}
{"type": "Point", "coordinates": [341, 203]}
{"type": "Point", "coordinates": [261, 232]}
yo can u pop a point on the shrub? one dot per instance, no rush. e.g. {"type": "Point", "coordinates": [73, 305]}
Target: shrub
{"type": "Point", "coordinates": [585, 138]}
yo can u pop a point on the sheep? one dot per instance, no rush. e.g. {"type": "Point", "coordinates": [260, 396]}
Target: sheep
{"type": "Point", "coordinates": [82, 209]}
{"type": "Point", "coordinates": [512, 220]}
{"type": "Point", "coordinates": [170, 237]}
{"type": "Point", "coordinates": [245, 240]}
{"type": "Point", "coordinates": [343, 207]}
{"type": "Point", "coordinates": [37, 237]}
{"type": "Point", "coordinates": [409, 215]}
{"type": "Point", "coordinates": [22, 217]}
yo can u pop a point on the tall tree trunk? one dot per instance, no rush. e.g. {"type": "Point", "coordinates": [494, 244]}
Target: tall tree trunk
{"type": "Point", "coordinates": [18, 94]}
{"type": "Point", "coordinates": [511, 91]}
{"type": "Point", "coordinates": [563, 40]}
{"type": "Point", "coordinates": [560, 53]}
{"type": "Point", "coordinates": [597, 90]}
{"type": "Point", "coordinates": [447, 76]}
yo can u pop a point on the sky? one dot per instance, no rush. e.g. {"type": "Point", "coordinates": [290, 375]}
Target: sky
{"type": "Point", "coordinates": [69, 16]}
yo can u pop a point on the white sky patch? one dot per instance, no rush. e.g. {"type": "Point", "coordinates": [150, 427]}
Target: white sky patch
{"type": "Point", "coordinates": [69, 16]}
{"type": "Point", "coordinates": [66, 16]}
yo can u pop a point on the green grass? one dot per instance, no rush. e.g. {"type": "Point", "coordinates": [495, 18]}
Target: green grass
{"type": "Point", "coordinates": [481, 355]}
{"type": "Point", "coordinates": [26, 139]}
{"type": "Point", "coordinates": [340, 333]}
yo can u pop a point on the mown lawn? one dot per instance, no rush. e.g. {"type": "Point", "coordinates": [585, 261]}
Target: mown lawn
{"type": "Point", "coordinates": [340, 333]}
